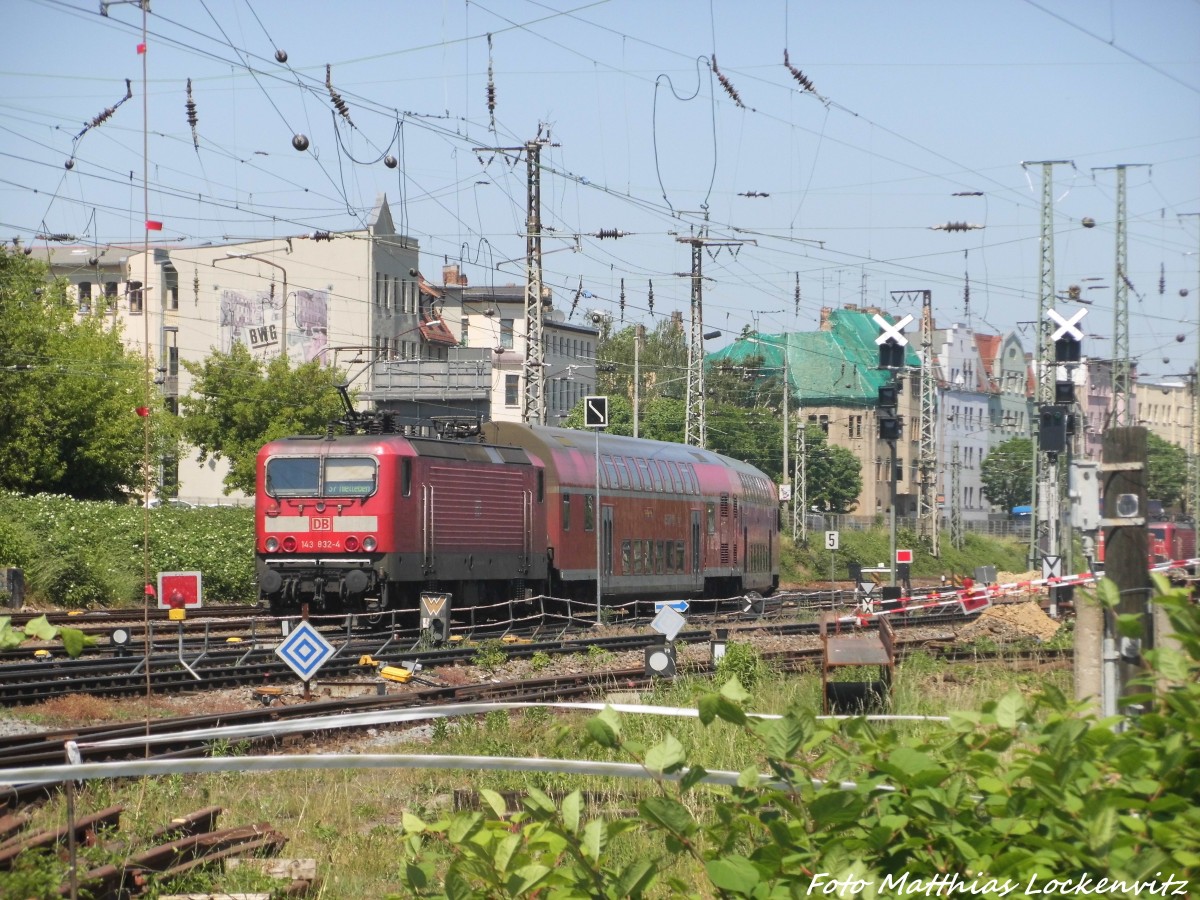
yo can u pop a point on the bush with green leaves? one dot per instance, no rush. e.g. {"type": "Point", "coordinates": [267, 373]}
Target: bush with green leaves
{"type": "Point", "coordinates": [743, 662]}
{"type": "Point", "coordinates": [94, 553]}
{"type": "Point", "coordinates": [1027, 790]}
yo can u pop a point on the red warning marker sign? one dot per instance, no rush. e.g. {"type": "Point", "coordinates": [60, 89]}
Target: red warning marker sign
{"type": "Point", "coordinates": [904, 556]}
{"type": "Point", "coordinates": [179, 590]}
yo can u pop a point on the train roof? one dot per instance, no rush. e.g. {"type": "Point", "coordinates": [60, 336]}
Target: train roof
{"type": "Point", "coordinates": [470, 451]}
{"type": "Point", "coordinates": [545, 440]}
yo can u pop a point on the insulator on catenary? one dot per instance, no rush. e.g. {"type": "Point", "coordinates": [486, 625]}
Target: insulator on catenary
{"type": "Point", "coordinates": [650, 298]}
{"type": "Point", "coordinates": [1162, 278]}
{"type": "Point", "coordinates": [320, 236]}
{"type": "Point", "coordinates": [725, 83]}
{"type": "Point", "coordinates": [609, 233]}
{"type": "Point", "coordinates": [334, 96]}
{"type": "Point", "coordinates": [99, 120]}
{"type": "Point", "coordinates": [753, 194]}
{"type": "Point", "coordinates": [193, 119]}
{"type": "Point", "coordinates": [955, 226]}
{"type": "Point", "coordinates": [491, 86]}
{"type": "Point", "coordinates": [801, 78]}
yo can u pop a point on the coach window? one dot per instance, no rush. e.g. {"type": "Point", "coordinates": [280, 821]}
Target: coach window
{"type": "Point", "coordinates": [566, 512]}
{"type": "Point", "coordinates": [658, 557]}
{"type": "Point", "coordinates": [637, 557]}
{"type": "Point", "coordinates": [662, 478]}
{"type": "Point", "coordinates": [710, 515]}
{"type": "Point", "coordinates": [622, 472]}
{"type": "Point", "coordinates": [626, 551]}
{"type": "Point", "coordinates": [406, 478]}
{"type": "Point", "coordinates": [644, 472]}
{"type": "Point", "coordinates": [680, 559]}
{"type": "Point", "coordinates": [610, 470]}
{"type": "Point", "coordinates": [676, 479]}
{"type": "Point", "coordinates": [589, 512]}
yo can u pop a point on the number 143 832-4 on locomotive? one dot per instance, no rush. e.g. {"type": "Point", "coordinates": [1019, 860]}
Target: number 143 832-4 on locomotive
{"type": "Point", "coordinates": [367, 522]}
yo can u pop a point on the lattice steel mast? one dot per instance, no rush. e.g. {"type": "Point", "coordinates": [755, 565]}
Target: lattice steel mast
{"type": "Point", "coordinates": [1043, 532]}
{"type": "Point", "coordinates": [695, 428]}
{"type": "Point", "coordinates": [533, 409]}
{"type": "Point", "coordinates": [927, 507]}
{"type": "Point", "coordinates": [1194, 458]}
{"type": "Point", "coordinates": [1122, 379]}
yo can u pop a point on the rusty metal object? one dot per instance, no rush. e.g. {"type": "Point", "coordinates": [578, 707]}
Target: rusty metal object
{"type": "Point", "coordinates": [85, 829]}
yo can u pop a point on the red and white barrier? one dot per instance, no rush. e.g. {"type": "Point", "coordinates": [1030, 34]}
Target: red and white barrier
{"type": "Point", "coordinates": [974, 598]}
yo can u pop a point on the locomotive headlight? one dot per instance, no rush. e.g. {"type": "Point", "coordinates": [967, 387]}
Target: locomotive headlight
{"type": "Point", "coordinates": [369, 544]}
{"type": "Point", "coordinates": [272, 544]}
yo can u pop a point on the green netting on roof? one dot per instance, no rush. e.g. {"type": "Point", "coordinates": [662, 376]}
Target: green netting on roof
{"type": "Point", "coordinates": [838, 367]}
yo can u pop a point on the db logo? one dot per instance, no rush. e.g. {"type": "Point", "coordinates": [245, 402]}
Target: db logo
{"type": "Point", "coordinates": [321, 523]}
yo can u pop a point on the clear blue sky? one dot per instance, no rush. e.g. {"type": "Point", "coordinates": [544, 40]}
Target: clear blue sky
{"type": "Point", "coordinates": [913, 102]}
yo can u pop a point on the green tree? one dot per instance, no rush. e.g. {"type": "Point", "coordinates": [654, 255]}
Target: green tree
{"type": "Point", "coordinates": [238, 403]}
{"type": "Point", "coordinates": [834, 473]}
{"type": "Point", "coordinates": [71, 392]}
{"type": "Point", "coordinates": [1166, 478]}
{"type": "Point", "coordinates": [1007, 474]}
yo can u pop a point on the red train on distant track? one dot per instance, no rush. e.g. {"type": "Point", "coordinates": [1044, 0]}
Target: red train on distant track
{"type": "Point", "coordinates": [366, 522]}
{"type": "Point", "coordinates": [1166, 541]}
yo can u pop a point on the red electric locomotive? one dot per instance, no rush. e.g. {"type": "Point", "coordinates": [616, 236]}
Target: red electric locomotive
{"type": "Point", "coordinates": [361, 522]}
{"type": "Point", "coordinates": [1166, 541]}
{"type": "Point", "coordinates": [368, 522]}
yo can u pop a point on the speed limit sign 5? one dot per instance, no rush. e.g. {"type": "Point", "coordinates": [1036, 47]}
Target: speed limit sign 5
{"type": "Point", "coordinates": [831, 540]}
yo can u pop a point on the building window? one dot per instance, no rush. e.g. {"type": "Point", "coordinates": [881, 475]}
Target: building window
{"type": "Point", "coordinates": [171, 287]}
{"type": "Point", "coordinates": [463, 324]}
{"type": "Point", "coordinates": [110, 294]}
{"type": "Point", "coordinates": [134, 290]}
{"type": "Point", "coordinates": [85, 296]}
{"type": "Point", "coordinates": [512, 390]}
{"type": "Point", "coordinates": [506, 333]}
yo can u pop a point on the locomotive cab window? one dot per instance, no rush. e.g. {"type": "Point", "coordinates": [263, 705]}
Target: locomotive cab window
{"type": "Point", "coordinates": [350, 476]}
{"type": "Point", "coordinates": [566, 512]}
{"type": "Point", "coordinates": [589, 512]}
{"type": "Point", "coordinates": [406, 478]}
{"type": "Point", "coordinates": [710, 514]}
{"type": "Point", "coordinates": [293, 476]}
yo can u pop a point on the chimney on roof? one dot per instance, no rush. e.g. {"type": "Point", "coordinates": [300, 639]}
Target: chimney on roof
{"type": "Point", "coordinates": [452, 276]}
{"type": "Point", "coordinates": [826, 312]}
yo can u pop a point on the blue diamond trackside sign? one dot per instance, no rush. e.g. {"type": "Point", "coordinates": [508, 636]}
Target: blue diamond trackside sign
{"type": "Point", "coordinates": [305, 651]}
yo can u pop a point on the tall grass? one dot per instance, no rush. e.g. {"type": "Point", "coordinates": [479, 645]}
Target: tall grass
{"type": "Point", "coordinates": [350, 822]}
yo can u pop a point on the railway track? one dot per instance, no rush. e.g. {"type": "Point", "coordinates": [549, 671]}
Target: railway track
{"type": "Point", "coordinates": [177, 665]}
{"type": "Point", "coordinates": [50, 747]}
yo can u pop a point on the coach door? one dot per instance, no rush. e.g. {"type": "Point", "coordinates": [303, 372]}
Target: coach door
{"type": "Point", "coordinates": [606, 541]}
{"type": "Point", "coordinates": [696, 542]}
